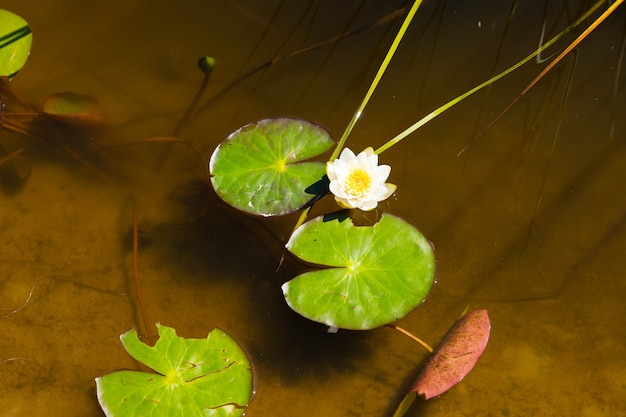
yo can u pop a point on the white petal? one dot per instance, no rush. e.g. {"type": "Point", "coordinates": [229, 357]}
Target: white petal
{"type": "Point", "coordinates": [362, 159]}
{"type": "Point", "coordinates": [344, 203]}
{"type": "Point", "coordinates": [372, 160]}
{"type": "Point", "coordinates": [369, 205]}
{"type": "Point", "coordinates": [390, 189]}
{"type": "Point", "coordinates": [330, 171]}
{"type": "Point", "coordinates": [346, 155]}
{"type": "Point", "coordinates": [336, 189]}
{"type": "Point", "coordinates": [382, 173]}
{"type": "Point", "coordinates": [369, 151]}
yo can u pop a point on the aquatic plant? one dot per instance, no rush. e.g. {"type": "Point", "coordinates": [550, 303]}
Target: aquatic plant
{"type": "Point", "coordinates": [194, 377]}
{"type": "Point", "coordinates": [374, 274]}
{"type": "Point", "coordinates": [357, 181]}
{"type": "Point", "coordinates": [369, 275]}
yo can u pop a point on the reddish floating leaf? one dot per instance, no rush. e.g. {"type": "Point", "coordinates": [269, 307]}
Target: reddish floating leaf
{"type": "Point", "coordinates": [455, 356]}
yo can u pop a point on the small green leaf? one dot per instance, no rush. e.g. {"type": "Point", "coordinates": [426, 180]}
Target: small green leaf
{"type": "Point", "coordinates": [196, 377]}
{"type": "Point", "coordinates": [257, 169]}
{"type": "Point", "coordinates": [15, 41]}
{"type": "Point", "coordinates": [379, 273]}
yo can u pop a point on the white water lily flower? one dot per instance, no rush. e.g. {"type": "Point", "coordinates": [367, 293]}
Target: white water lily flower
{"type": "Point", "coordinates": [357, 181]}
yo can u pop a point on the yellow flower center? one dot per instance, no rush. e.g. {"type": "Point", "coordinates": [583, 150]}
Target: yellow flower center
{"type": "Point", "coordinates": [358, 182]}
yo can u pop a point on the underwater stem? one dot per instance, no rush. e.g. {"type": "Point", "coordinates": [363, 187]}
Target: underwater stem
{"type": "Point", "coordinates": [142, 307]}
{"type": "Point", "coordinates": [411, 336]}
{"type": "Point", "coordinates": [206, 65]}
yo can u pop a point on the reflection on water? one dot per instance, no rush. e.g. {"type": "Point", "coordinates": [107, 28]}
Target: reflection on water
{"type": "Point", "coordinates": [527, 221]}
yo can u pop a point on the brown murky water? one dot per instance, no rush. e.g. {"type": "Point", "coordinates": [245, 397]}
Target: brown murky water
{"type": "Point", "coordinates": [551, 274]}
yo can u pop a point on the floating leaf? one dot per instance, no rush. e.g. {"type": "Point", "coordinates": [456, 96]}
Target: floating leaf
{"type": "Point", "coordinates": [453, 358]}
{"type": "Point", "coordinates": [196, 377]}
{"type": "Point", "coordinates": [74, 108]}
{"type": "Point", "coordinates": [257, 169]}
{"type": "Point", "coordinates": [379, 273]}
{"type": "Point", "coordinates": [456, 355]}
{"type": "Point", "coordinates": [15, 41]}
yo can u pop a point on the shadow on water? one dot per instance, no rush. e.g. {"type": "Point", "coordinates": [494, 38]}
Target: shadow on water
{"type": "Point", "coordinates": [527, 217]}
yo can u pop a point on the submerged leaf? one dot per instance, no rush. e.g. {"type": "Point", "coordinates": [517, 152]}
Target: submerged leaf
{"type": "Point", "coordinates": [196, 377]}
{"type": "Point", "coordinates": [15, 42]}
{"type": "Point", "coordinates": [456, 355]}
{"type": "Point", "coordinates": [257, 169]}
{"type": "Point", "coordinates": [379, 273]}
{"type": "Point", "coordinates": [74, 108]}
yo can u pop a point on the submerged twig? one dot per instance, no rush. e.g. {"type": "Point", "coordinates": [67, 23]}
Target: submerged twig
{"type": "Point", "coordinates": [9, 156]}
{"type": "Point", "coordinates": [30, 294]}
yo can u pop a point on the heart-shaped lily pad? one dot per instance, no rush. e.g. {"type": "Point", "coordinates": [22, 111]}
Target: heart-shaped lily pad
{"type": "Point", "coordinates": [15, 41]}
{"type": "Point", "coordinates": [195, 377]}
{"type": "Point", "coordinates": [257, 169]}
{"type": "Point", "coordinates": [378, 273]}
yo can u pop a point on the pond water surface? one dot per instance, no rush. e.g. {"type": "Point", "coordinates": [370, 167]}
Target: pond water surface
{"type": "Point", "coordinates": [528, 218]}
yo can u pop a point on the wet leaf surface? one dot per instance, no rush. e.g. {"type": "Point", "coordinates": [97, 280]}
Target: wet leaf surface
{"type": "Point", "coordinates": [15, 42]}
{"type": "Point", "coordinates": [378, 273]}
{"type": "Point", "coordinates": [195, 377]}
{"type": "Point", "coordinates": [456, 355]}
{"type": "Point", "coordinates": [258, 168]}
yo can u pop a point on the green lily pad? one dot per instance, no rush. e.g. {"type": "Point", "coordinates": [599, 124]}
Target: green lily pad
{"type": "Point", "coordinates": [378, 273]}
{"type": "Point", "coordinates": [257, 169]}
{"type": "Point", "coordinates": [15, 42]}
{"type": "Point", "coordinates": [195, 377]}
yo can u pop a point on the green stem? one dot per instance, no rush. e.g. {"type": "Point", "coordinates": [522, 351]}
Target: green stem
{"type": "Point", "coordinates": [379, 74]}
{"type": "Point", "coordinates": [492, 80]}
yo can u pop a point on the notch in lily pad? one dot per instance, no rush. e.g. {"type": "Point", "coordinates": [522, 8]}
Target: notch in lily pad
{"type": "Point", "coordinates": [259, 168]}
{"type": "Point", "coordinates": [194, 377]}
{"type": "Point", "coordinates": [374, 276]}
{"type": "Point", "coordinates": [15, 42]}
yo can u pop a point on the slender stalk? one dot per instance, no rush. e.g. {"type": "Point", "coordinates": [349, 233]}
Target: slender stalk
{"type": "Point", "coordinates": [375, 81]}
{"type": "Point", "coordinates": [142, 307]}
{"type": "Point", "coordinates": [393, 15]}
{"type": "Point", "coordinates": [192, 106]}
{"type": "Point", "coordinates": [451, 103]}
{"type": "Point", "coordinates": [411, 336]}
{"type": "Point", "coordinates": [370, 91]}
{"type": "Point", "coordinates": [11, 155]}
{"type": "Point", "coordinates": [569, 49]}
